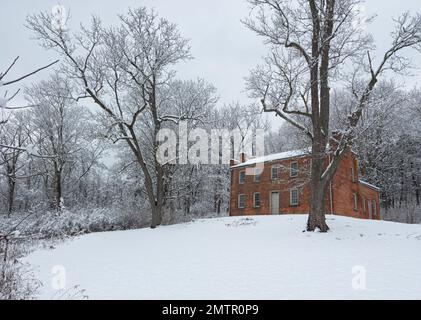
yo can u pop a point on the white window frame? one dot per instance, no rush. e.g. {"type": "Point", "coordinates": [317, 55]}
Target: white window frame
{"type": "Point", "coordinates": [239, 201]}
{"type": "Point", "coordinates": [254, 200]}
{"type": "Point", "coordinates": [353, 178]}
{"type": "Point", "coordinates": [370, 208]}
{"type": "Point", "coordinates": [355, 201]}
{"type": "Point", "coordinates": [277, 172]}
{"type": "Point", "coordinates": [291, 170]}
{"type": "Point", "coordinates": [257, 174]}
{"type": "Point", "coordinates": [239, 177]}
{"type": "Point", "coordinates": [291, 202]}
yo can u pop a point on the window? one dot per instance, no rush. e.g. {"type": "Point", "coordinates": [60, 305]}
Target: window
{"type": "Point", "coordinates": [293, 171]}
{"type": "Point", "coordinates": [370, 209]}
{"type": "Point", "coordinates": [256, 200]}
{"type": "Point", "coordinates": [242, 177]}
{"type": "Point", "coordinates": [275, 172]}
{"type": "Point", "coordinates": [375, 208]}
{"type": "Point", "coordinates": [293, 197]}
{"type": "Point", "coordinates": [257, 175]}
{"type": "Point", "coordinates": [241, 201]}
{"type": "Point", "coordinates": [352, 174]}
{"type": "Point", "coordinates": [355, 201]}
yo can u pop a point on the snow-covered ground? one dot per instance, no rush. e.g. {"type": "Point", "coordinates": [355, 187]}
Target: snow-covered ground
{"type": "Point", "coordinates": [239, 258]}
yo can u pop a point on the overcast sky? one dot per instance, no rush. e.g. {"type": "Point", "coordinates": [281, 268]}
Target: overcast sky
{"type": "Point", "coordinates": [223, 48]}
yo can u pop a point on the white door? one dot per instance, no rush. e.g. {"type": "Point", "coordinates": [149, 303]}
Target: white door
{"type": "Point", "coordinates": [274, 203]}
{"type": "Point", "coordinates": [370, 210]}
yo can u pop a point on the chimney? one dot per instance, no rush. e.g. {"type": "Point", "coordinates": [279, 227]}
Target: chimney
{"type": "Point", "coordinates": [242, 157]}
{"type": "Point", "coordinates": [233, 162]}
{"type": "Point", "coordinates": [334, 140]}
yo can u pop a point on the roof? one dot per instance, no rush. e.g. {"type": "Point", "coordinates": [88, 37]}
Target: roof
{"type": "Point", "coordinates": [274, 157]}
{"type": "Point", "coordinates": [369, 185]}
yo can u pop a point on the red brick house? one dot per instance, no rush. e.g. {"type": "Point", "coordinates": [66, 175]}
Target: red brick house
{"type": "Point", "coordinates": [278, 184]}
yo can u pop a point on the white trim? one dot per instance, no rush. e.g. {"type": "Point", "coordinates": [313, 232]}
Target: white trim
{"type": "Point", "coordinates": [254, 200]}
{"type": "Point", "coordinates": [355, 201]}
{"type": "Point", "coordinates": [238, 201]}
{"type": "Point", "coordinates": [290, 169]}
{"type": "Point", "coordinates": [369, 185]}
{"type": "Point", "coordinates": [353, 178]}
{"type": "Point", "coordinates": [277, 172]}
{"type": "Point", "coordinates": [257, 175]}
{"type": "Point", "coordinates": [291, 203]}
{"type": "Point", "coordinates": [270, 201]}
{"type": "Point", "coordinates": [275, 157]}
{"type": "Point", "coordinates": [239, 177]}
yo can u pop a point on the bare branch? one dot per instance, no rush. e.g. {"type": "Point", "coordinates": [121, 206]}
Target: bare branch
{"type": "Point", "coordinates": [2, 75]}
{"type": "Point", "coordinates": [30, 74]}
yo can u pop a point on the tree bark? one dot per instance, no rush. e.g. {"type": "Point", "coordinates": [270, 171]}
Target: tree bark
{"type": "Point", "coordinates": [57, 189]}
{"type": "Point", "coordinates": [157, 213]}
{"type": "Point", "coordinates": [320, 98]}
{"type": "Point", "coordinates": [317, 218]}
{"type": "Point", "coordinates": [156, 208]}
{"type": "Point", "coordinates": [156, 220]}
{"type": "Point", "coordinates": [59, 192]}
{"type": "Point", "coordinates": [11, 200]}
{"type": "Point", "coordinates": [11, 178]}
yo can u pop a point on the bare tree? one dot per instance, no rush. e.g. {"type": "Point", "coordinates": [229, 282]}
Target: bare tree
{"type": "Point", "coordinates": [124, 71]}
{"type": "Point", "coordinates": [6, 98]}
{"type": "Point", "coordinates": [59, 131]}
{"type": "Point", "coordinates": [12, 137]}
{"type": "Point", "coordinates": [3, 83]}
{"type": "Point", "coordinates": [12, 133]}
{"type": "Point", "coordinates": [313, 42]}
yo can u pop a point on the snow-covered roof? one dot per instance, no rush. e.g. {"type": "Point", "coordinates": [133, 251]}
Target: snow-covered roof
{"type": "Point", "coordinates": [274, 157]}
{"type": "Point", "coordinates": [369, 185]}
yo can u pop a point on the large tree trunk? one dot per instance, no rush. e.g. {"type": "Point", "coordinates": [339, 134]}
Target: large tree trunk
{"type": "Point", "coordinates": [316, 218]}
{"type": "Point", "coordinates": [156, 208]}
{"type": "Point", "coordinates": [58, 189]}
{"type": "Point", "coordinates": [160, 192]}
{"type": "Point", "coordinates": [156, 202]}
{"type": "Point", "coordinates": [417, 188]}
{"type": "Point", "coordinates": [217, 195]}
{"type": "Point", "coordinates": [59, 193]}
{"type": "Point", "coordinates": [11, 179]}
{"type": "Point", "coordinates": [159, 199]}
{"type": "Point", "coordinates": [320, 99]}
{"type": "Point", "coordinates": [11, 200]}
{"type": "Point", "coordinates": [156, 216]}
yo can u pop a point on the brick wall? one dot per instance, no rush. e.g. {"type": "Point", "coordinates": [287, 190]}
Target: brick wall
{"type": "Point", "coordinates": [342, 189]}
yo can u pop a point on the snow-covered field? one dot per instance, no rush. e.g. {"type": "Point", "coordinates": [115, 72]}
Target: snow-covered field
{"type": "Point", "coordinates": [239, 258]}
